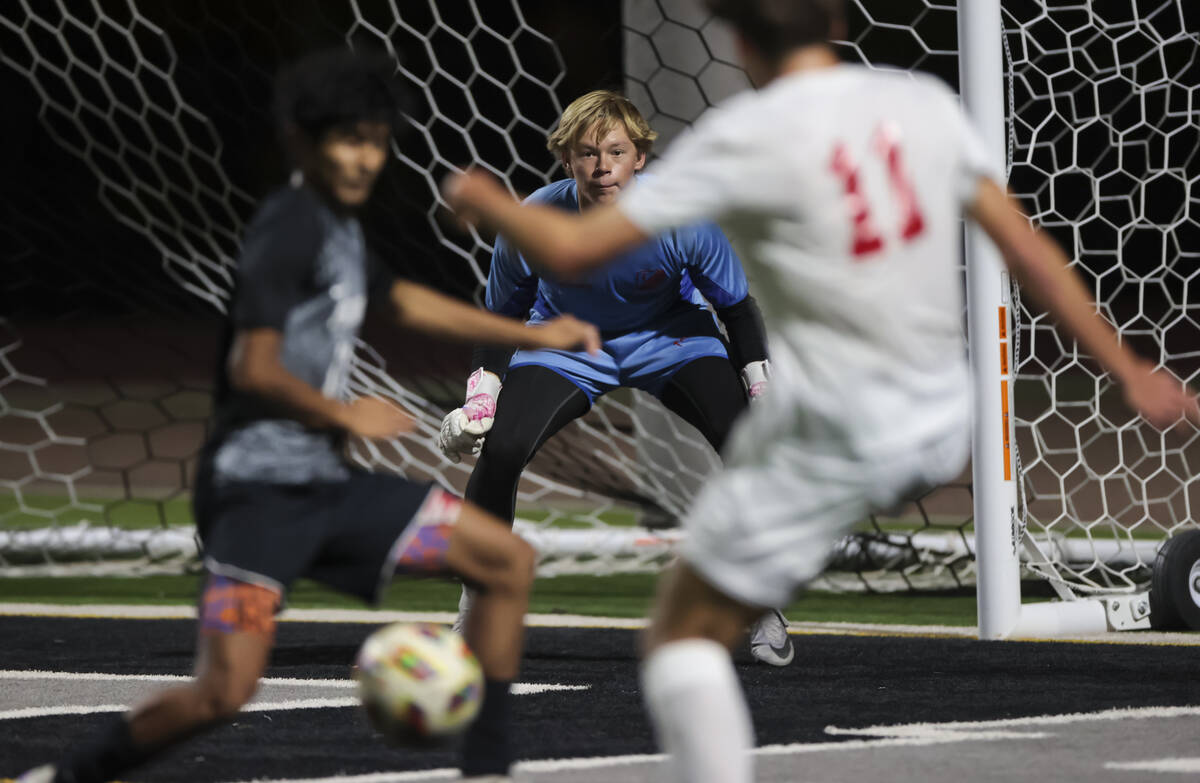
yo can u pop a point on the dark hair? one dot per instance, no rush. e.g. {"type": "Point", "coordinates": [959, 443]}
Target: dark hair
{"type": "Point", "coordinates": [337, 87]}
{"type": "Point", "coordinates": [775, 27]}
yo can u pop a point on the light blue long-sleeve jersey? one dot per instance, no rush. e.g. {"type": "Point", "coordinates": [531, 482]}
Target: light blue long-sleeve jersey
{"type": "Point", "coordinates": [653, 281]}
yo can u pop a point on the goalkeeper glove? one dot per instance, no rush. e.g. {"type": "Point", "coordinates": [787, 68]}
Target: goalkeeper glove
{"type": "Point", "coordinates": [464, 429]}
{"type": "Point", "coordinates": [754, 378]}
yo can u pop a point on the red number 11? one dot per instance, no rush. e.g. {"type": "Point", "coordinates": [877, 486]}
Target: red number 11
{"type": "Point", "coordinates": [867, 238]}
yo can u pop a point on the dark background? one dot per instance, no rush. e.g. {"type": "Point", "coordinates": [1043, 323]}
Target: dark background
{"type": "Point", "coordinates": [65, 258]}
{"type": "Point", "coordinates": [64, 254]}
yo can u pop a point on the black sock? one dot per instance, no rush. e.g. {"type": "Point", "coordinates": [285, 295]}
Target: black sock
{"type": "Point", "coordinates": [104, 758]}
{"type": "Point", "coordinates": [487, 748]}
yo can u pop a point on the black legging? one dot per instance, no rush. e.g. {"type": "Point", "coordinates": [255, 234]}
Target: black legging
{"type": "Point", "coordinates": [536, 402]}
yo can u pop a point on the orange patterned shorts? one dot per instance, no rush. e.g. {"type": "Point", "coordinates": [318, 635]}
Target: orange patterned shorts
{"type": "Point", "coordinates": [230, 606]}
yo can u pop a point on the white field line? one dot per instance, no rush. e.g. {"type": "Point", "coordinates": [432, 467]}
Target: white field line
{"type": "Point", "coordinates": [375, 777]}
{"type": "Point", "coordinates": [366, 616]}
{"type": "Point", "coordinates": [916, 734]}
{"type": "Point", "coordinates": [1157, 765]}
{"type": "Point", "coordinates": [376, 617]}
{"type": "Point", "coordinates": [518, 689]}
{"type": "Point", "coordinates": [923, 729]}
{"type": "Point", "coordinates": [34, 674]}
{"type": "Point", "coordinates": [256, 706]}
{"type": "Point", "coordinates": [379, 617]}
{"type": "Point", "coordinates": [445, 773]}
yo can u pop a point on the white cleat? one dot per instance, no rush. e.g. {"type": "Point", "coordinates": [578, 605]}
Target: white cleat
{"type": "Point", "coordinates": [769, 640]}
{"type": "Point", "coordinates": [464, 606]}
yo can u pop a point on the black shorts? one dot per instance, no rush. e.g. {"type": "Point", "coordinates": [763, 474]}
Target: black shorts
{"type": "Point", "coordinates": [341, 533]}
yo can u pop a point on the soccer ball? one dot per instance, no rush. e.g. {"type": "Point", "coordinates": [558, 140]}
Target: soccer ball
{"type": "Point", "coordinates": [418, 682]}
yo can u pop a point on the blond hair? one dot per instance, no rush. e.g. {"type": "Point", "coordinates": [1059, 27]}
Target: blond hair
{"type": "Point", "coordinates": [602, 110]}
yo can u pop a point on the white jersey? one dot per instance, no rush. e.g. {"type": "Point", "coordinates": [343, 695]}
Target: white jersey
{"type": "Point", "coordinates": [841, 189]}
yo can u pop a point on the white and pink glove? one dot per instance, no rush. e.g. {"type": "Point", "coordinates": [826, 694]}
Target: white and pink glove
{"type": "Point", "coordinates": [464, 429]}
{"type": "Point", "coordinates": [754, 377]}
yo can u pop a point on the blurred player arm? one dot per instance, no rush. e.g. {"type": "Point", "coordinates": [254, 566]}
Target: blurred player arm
{"type": "Point", "coordinates": [433, 313]}
{"type": "Point", "coordinates": [1042, 269]}
{"type": "Point", "coordinates": [254, 367]}
{"type": "Point", "coordinates": [565, 244]}
{"type": "Point", "coordinates": [277, 261]}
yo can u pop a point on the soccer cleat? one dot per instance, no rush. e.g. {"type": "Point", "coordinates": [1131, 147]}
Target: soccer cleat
{"type": "Point", "coordinates": [464, 606]}
{"type": "Point", "coordinates": [769, 640]}
{"type": "Point", "coordinates": [42, 774]}
{"type": "Point", "coordinates": [488, 779]}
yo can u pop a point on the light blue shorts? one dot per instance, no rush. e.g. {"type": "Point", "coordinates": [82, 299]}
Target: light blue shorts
{"type": "Point", "coordinates": [643, 359]}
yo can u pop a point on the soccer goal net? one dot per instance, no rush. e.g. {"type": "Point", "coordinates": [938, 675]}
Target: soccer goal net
{"type": "Point", "coordinates": [146, 141]}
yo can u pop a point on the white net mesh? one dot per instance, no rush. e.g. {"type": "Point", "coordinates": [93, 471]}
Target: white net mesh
{"type": "Point", "coordinates": [150, 109]}
{"type": "Point", "coordinates": [101, 416]}
{"type": "Point", "coordinates": [1105, 152]}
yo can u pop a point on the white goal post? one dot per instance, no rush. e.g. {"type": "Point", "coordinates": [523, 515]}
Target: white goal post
{"type": "Point", "coordinates": [1001, 535]}
{"type": "Point", "coordinates": [999, 527]}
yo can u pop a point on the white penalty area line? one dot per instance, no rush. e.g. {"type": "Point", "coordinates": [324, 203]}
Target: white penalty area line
{"type": "Point", "coordinates": [442, 773]}
{"type": "Point", "coordinates": [364, 616]}
{"type": "Point", "coordinates": [1157, 765]}
{"type": "Point", "coordinates": [89, 709]}
{"type": "Point", "coordinates": [910, 735]}
{"type": "Point", "coordinates": [448, 773]}
{"type": "Point", "coordinates": [35, 674]}
{"type": "Point", "coordinates": [973, 729]}
{"type": "Point", "coordinates": [518, 689]}
{"type": "Point", "coordinates": [381, 616]}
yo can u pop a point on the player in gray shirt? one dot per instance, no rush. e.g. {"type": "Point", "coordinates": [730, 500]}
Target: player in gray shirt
{"type": "Point", "coordinates": [275, 499]}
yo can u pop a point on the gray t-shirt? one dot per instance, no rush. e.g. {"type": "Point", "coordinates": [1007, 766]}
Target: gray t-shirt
{"type": "Point", "coordinates": [304, 270]}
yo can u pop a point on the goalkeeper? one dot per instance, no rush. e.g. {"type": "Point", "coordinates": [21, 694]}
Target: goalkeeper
{"type": "Point", "coordinates": [650, 307]}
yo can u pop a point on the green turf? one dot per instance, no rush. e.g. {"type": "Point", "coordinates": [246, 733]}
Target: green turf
{"type": "Point", "coordinates": [626, 595]}
{"type": "Point", "coordinates": [38, 511]}
{"type": "Point", "coordinates": [45, 510]}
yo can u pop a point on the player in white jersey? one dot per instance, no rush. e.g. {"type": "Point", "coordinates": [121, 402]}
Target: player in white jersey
{"type": "Point", "coordinates": [841, 189]}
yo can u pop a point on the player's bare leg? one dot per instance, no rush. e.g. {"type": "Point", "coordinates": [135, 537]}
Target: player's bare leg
{"type": "Point", "coordinates": [485, 553]}
{"type": "Point", "coordinates": [234, 643]}
{"type": "Point", "coordinates": [687, 607]}
{"type": "Point", "coordinates": [688, 682]}
{"type": "Point", "coordinates": [228, 668]}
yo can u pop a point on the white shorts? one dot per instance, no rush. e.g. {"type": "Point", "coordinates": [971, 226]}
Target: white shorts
{"type": "Point", "coordinates": [763, 528]}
